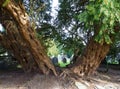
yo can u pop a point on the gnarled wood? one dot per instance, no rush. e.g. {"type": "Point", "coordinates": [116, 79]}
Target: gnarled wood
{"type": "Point", "coordinates": [91, 58]}
{"type": "Point", "coordinates": [21, 39]}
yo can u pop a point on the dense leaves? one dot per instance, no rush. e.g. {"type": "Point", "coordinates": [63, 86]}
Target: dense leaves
{"type": "Point", "coordinates": [105, 14]}
{"type": "Point", "coordinates": [71, 34]}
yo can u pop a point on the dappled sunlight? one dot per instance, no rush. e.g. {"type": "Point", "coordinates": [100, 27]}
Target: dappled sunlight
{"type": "Point", "coordinates": [106, 80]}
{"type": "Point", "coordinates": [10, 80]}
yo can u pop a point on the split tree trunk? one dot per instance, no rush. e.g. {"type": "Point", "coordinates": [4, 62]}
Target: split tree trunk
{"type": "Point", "coordinates": [91, 58]}
{"type": "Point", "coordinates": [20, 39]}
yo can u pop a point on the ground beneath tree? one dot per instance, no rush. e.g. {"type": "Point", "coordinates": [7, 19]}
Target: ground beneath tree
{"type": "Point", "coordinates": [20, 80]}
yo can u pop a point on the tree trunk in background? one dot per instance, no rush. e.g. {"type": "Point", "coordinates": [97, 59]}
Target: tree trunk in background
{"type": "Point", "coordinates": [91, 58]}
{"type": "Point", "coordinates": [20, 39]}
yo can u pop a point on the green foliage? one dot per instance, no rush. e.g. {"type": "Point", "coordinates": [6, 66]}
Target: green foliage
{"type": "Point", "coordinates": [53, 49]}
{"type": "Point", "coordinates": [5, 3]}
{"type": "Point", "coordinates": [61, 64]}
{"type": "Point", "coordinates": [69, 27]}
{"type": "Point", "coordinates": [115, 47]}
{"type": "Point", "coordinates": [104, 13]}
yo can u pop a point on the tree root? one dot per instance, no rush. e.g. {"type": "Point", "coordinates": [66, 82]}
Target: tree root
{"type": "Point", "coordinates": [72, 78]}
{"type": "Point", "coordinates": [69, 74]}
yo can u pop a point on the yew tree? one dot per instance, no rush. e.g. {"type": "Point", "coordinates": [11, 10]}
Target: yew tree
{"type": "Point", "coordinates": [99, 22]}
{"type": "Point", "coordinates": [20, 37]}
{"type": "Point", "coordinates": [90, 23]}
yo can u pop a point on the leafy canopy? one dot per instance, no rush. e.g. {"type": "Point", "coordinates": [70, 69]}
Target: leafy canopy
{"type": "Point", "coordinates": [105, 14]}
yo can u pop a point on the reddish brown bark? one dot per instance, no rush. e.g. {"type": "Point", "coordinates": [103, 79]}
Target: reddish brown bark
{"type": "Point", "coordinates": [20, 38]}
{"type": "Point", "coordinates": [91, 58]}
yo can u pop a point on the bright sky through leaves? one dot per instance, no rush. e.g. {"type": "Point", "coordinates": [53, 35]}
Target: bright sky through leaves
{"type": "Point", "coordinates": [1, 28]}
{"type": "Point", "coordinates": [54, 7]}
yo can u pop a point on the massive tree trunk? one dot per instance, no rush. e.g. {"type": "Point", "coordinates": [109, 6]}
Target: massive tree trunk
{"type": "Point", "coordinates": [93, 54]}
{"type": "Point", "coordinates": [20, 38]}
{"type": "Point", "coordinates": [91, 58]}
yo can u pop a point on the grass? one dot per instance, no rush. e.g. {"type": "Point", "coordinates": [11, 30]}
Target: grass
{"type": "Point", "coordinates": [62, 64]}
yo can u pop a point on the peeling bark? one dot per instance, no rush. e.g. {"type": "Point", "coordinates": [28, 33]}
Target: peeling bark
{"type": "Point", "coordinates": [93, 54]}
{"type": "Point", "coordinates": [22, 40]}
{"type": "Point", "coordinates": [91, 58]}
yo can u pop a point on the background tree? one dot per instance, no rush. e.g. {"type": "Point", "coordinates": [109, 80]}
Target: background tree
{"type": "Point", "coordinates": [67, 24]}
{"type": "Point", "coordinates": [115, 49]}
